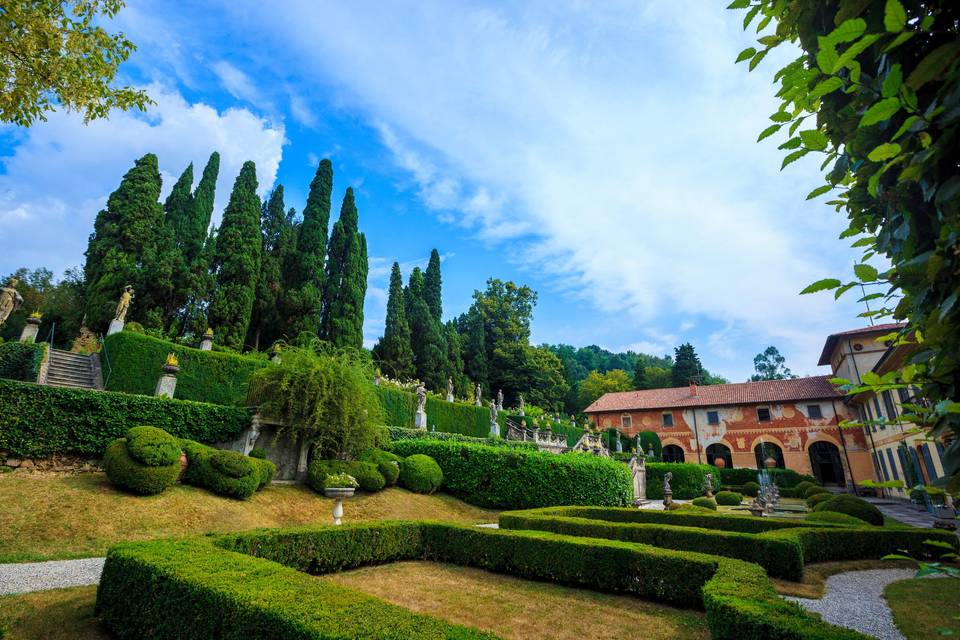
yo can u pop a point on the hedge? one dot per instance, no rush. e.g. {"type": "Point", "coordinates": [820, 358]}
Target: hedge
{"type": "Point", "coordinates": [132, 362]}
{"type": "Point", "coordinates": [251, 585]}
{"type": "Point", "coordinates": [519, 479]}
{"type": "Point", "coordinates": [729, 498]}
{"type": "Point", "coordinates": [226, 473]}
{"type": "Point", "coordinates": [420, 474]}
{"type": "Point", "coordinates": [783, 478]}
{"type": "Point", "coordinates": [366, 474]}
{"type": "Point", "coordinates": [22, 360]}
{"type": "Point", "coordinates": [388, 464]}
{"type": "Point", "coordinates": [852, 506]}
{"type": "Point", "coordinates": [134, 476]}
{"type": "Point", "coordinates": [402, 433]}
{"type": "Point", "coordinates": [688, 479]}
{"type": "Point", "coordinates": [705, 503]}
{"type": "Point", "coordinates": [38, 421]}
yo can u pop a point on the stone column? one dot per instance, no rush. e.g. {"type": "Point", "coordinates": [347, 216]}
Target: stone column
{"type": "Point", "coordinates": [420, 420]}
{"type": "Point", "coordinates": [30, 330]}
{"type": "Point", "coordinates": [116, 326]}
{"type": "Point", "coordinates": [494, 429]}
{"type": "Point", "coordinates": [167, 384]}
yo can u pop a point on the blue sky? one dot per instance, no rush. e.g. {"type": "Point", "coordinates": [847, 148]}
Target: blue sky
{"type": "Point", "coordinates": [603, 153]}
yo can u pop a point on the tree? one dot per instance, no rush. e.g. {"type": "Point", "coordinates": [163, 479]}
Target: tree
{"type": "Point", "coordinates": [393, 352]}
{"type": "Point", "coordinates": [686, 366]}
{"type": "Point", "coordinates": [60, 303]}
{"type": "Point", "coordinates": [769, 365]}
{"type": "Point", "coordinates": [432, 286]}
{"type": "Point", "coordinates": [237, 261]}
{"type": "Point", "coordinates": [194, 277]}
{"type": "Point", "coordinates": [124, 240]}
{"type": "Point", "coordinates": [426, 337]}
{"type": "Point", "coordinates": [305, 274]}
{"type": "Point", "coordinates": [455, 367]}
{"type": "Point", "coordinates": [470, 326]}
{"type": "Point", "coordinates": [55, 53]}
{"type": "Point", "coordinates": [640, 379]}
{"type": "Point", "coordinates": [345, 284]}
{"type": "Point", "coordinates": [277, 234]}
{"type": "Point", "coordinates": [659, 377]}
{"type": "Point", "coordinates": [596, 384]}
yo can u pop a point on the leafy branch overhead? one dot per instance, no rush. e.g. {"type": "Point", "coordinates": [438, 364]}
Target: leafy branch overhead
{"type": "Point", "coordinates": [876, 93]}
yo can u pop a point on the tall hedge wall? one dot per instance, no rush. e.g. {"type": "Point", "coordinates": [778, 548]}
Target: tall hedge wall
{"type": "Point", "coordinates": [38, 421]}
{"type": "Point", "coordinates": [400, 408]}
{"type": "Point", "coordinates": [133, 361]}
{"type": "Point", "coordinates": [688, 481]}
{"type": "Point", "coordinates": [785, 478]}
{"type": "Point", "coordinates": [21, 360]}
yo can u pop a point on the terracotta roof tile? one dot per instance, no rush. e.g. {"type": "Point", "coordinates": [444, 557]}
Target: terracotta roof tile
{"type": "Point", "coordinates": [831, 342]}
{"type": "Point", "coordinates": [812, 388]}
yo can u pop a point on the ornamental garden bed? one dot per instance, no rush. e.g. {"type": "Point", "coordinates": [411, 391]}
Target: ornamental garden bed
{"type": "Point", "coordinates": [256, 584]}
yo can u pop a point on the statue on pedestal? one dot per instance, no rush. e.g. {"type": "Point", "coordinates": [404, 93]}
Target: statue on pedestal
{"type": "Point", "coordinates": [494, 425]}
{"type": "Point", "coordinates": [124, 305]}
{"type": "Point", "coordinates": [520, 409]}
{"type": "Point", "coordinates": [639, 473]}
{"type": "Point", "coordinates": [477, 393]}
{"type": "Point", "coordinates": [10, 300]}
{"type": "Point", "coordinates": [667, 491]}
{"type": "Point", "coordinates": [449, 389]}
{"type": "Point", "coordinates": [421, 417]}
{"type": "Point", "coordinates": [500, 400]}
{"type": "Point", "coordinates": [708, 478]}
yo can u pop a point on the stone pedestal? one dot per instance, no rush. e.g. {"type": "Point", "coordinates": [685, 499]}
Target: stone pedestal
{"type": "Point", "coordinates": [420, 420]}
{"type": "Point", "coordinates": [449, 397]}
{"type": "Point", "coordinates": [667, 498]}
{"type": "Point", "coordinates": [116, 326]}
{"type": "Point", "coordinates": [494, 430]}
{"type": "Point", "coordinates": [166, 385]}
{"type": "Point", "coordinates": [30, 330]}
{"type": "Point", "coordinates": [206, 344]}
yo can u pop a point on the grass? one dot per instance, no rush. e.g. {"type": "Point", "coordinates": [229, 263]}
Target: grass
{"type": "Point", "coordinates": [61, 614]}
{"type": "Point", "coordinates": [54, 517]}
{"type": "Point", "coordinates": [514, 608]}
{"type": "Point", "coordinates": [924, 609]}
{"type": "Point", "coordinates": [813, 583]}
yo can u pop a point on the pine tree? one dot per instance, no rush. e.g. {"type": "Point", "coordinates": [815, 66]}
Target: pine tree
{"type": "Point", "coordinates": [475, 348]}
{"type": "Point", "coordinates": [393, 351]}
{"type": "Point", "coordinates": [276, 225]}
{"type": "Point", "coordinates": [455, 370]}
{"type": "Point", "coordinates": [345, 285]}
{"type": "Point", "coordinates": [237, 261]}
{"type": "Point", "coordinates": [686, 366]}
{"type": "Point", "coordinates": [429, 350]}
{"type": "Point", "coordinates": [640, 380]}
{"type": "Point", "coordinates": [304, 290]}
{"type": "Point", "coordinates": [194, 282]}
{"type": "Point", "coordinates": [432, 289]}
{"type": "Point", "coordinates": [124, 239]}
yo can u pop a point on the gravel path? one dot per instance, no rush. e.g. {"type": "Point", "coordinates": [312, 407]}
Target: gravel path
{"type": "Point", "coordinates": [855, 600]}
{"type": "Point", "coordinates": [38, 576]}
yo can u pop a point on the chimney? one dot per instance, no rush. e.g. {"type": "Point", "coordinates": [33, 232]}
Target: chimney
{"type": "Point", "coordinates": [693, 389]}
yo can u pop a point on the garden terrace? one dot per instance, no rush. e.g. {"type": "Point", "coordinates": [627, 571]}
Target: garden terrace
{"type": "Point", "coordinates": [255, 585]}
{"type": "Point", "coordinates": [782, 547]}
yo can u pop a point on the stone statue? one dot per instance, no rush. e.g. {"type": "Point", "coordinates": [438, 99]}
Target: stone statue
{"type": "Point", "coordinates": [493, 413]}
{"type": "Point", "coordinates": [639, 473]}
{"type": "Point", "coordinates": [477, 393]}
{"type": "Point", "coordinates": [421, 398]}
{"type": "Point", "coordinates": [124, 305]}
{"type": "Point", "coordinates": [500, 400]}
{"type": "Point", "coordinates": [708, 478]}
{"type": "Point", "coordinates": [619, 444]}
{"type": "Point", "coordinates": [666, 483]}
{"type": "Point", "coordinates": [520, 409]}
{"type": "Point", "coordinates": [449, 389]}
{"type": "Point", "coordinates": [10, 300]}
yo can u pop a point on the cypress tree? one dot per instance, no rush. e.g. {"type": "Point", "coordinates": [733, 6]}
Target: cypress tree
{"type": "Point", "coordinates": [432, 286]}
{"type": "Point", "coordinates": [124, 238]}
{"type": "Point", "coordinates": [475, 348]}
{"type": "Point", "coordinates": [178, 208]}
{"type": "Point", "coordinates": [276, 226]}
{"type": "Point", "coordinates": [455, 369]}
{"type": "Point", "coordinates": [393, 350]}
{"type": "Point", "coordinates": [429, 350]}
{"type": "Point", "coordinates": [304, 295]}
{"type": "Point", "coordinates": [196, 229]}
{"type": "Point", "coordinates": [237, 261]}
{"type": "Point", "coordinates": [686, 366]}
{"type": "Point", "coordinates": [345, 285]}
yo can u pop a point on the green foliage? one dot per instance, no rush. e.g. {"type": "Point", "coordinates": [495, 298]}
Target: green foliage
{"type": "Point", "coordinates": [226, 473]}
{"type": "Point", "coordinates": [400, 408]}
{"type": "Point", "coordinates": [22, 360]}
{"type": "Point", "coordinates": [688, 481]}
{"type": "Point", "coordinates": [750, 489]}
{"type": "Point", "coordinates": [852, 506]}
{"type": "Point", "coordinates": [817, 498]}
{"type": "Point", "coordinates": [39, 421]}
{"type": "Point", "coordinates": [420, 473]}
{"type": "Point", "coordinates": [597, 384]}
{"type": "Point", "coordinates": [432, 287]}
{"type": "Point", "coordinates": [265, 469]}
{"type": "Point", "coordinates": [366, 474]}
{"type": "Point", "coordinates": [57, 54]}
{"type": "Point", "coordinates": [878, 80]}
{"type": "Point", "coordinates": [770, 365]}
{"type": "Point", "coordinates": [393, 352]}
{"type": "Point", "coordinates": [132, 364]}
{"type": "Point", "coordinates": [306, 277]}
{"type": "Point", "coordinates": [426, 336]}
{"type": "Point", "coordinates": [705, 502]}
{"type": "Point", "coordinates": [729, 498]}
{"type": "Point", "coordinates": [801, 487]}
{"type": "Point", "coordinates": [345, 284]}
{"type": "Point", "coordinates": [278, 247]}
{"type": "Point", "coordinates": [814, 490]}
{"type": "Point", "coordinates": [399, 433]}
{"type": "Point", "coordinates": [517, 478]}
{"type": "Point", "coordinates": [833, 517]}
{"type": "Point", "coordinates": [135, 476]}
{"type": "Point", "coordinates": [784, 478]}
{"type": "Point", "coordinates": [237, 261]}
{"type": "Point", "coordinates": [152, 447]}
{"type": "Point", "coordinates": [686, 366]}
{"type": "Point", "coordinates": [323, 394]}
{"type": "Point", "coordinates": [258, 453]}
{"type": "Point", "coordinates": [61, 304]}
{"type": "Point", "coordinates": [388, 464]}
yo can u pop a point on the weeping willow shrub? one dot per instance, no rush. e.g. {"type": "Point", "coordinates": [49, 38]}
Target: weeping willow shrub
{"type": "Point", "coordinates": [325, 395]}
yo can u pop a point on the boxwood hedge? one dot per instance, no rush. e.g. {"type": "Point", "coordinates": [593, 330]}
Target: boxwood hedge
{"type": "Point", "coordinates": [401, 433]}
{"type": "Point", "coordinates": [22, 360]}
{"type": "Point", "coordinates": [38, 421]}
{"type": "Point", "coordinates": [519, 479]}
{"type": "Point", "coordinates": [688, 481]}
{"type": "Point", "coordinates": [784, 478]}
{"type": "Point", "coordinates": [420, 474]}
{"type": "Point", "coordinates": [226, 473]}
{"type": "Point", "coordinates": [128, 473]}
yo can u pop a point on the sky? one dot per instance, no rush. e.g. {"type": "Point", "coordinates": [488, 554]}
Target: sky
{"type": "Point", "coordinates": [602, 153]}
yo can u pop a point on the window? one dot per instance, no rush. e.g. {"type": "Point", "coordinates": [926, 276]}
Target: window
{"type": "Point", "coordinates": [883, 465]}
{"type": "Point", "coordinates": [763, 414]}
{"type": "Point", "coordinates": [876, 466]}
{"type": "Point", "coordinates": [888, 405]}
{"type": "Point", "coordinates": [876, 405]}
{"type": "Point", "coordinates": [893, 465]}
{"type": "Point", "coordinates": [626, 421]}
{"type": "Point", "coordinates": [713, 417]}
{"type": "Point", "coordinates": [904, 395]}
{"type": "Point", "coordinates": [667, 419]}
{"type": "Point", "coordinates": [928, 460]}
{"type": "Point", "coordinates": [814, 412]}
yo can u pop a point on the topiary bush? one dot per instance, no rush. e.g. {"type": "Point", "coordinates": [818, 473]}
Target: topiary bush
{"type": "Point", "coordinates": [152, 447]}
{"type": "Point", "coordinates": [705, 502]}
{"type": "Point", "coordinates": [687, 483]}
{"type": "Point", "coordinates": [750, 489]}
{"type": "Point", "coordinates": [420, 473]}
{"type": "Point", "coordinates": [388, 464]}
{"type": "Point", "coordinates": [366, 474]}
{"type": "Point", "coordinates": [801, 488]}
{"type": "Point", "coordinates": [134, 476]}
{"type": "Point", "coordinates": [832, 517]}
{"type": "Point", "coordinates": [729, 498]}
{"type": "Point", "coordinates": [266, 469]}
{"type": "Point", "coordinates": [814, 490]}
{"type": "Point", "coordinates": [258, 453]}
{"type": "Point", "coordinates": [817, 498]}
{"type": "Point", "coordinates": [852, 506]}
{"type": "Point", "coordinates": [226, 473]}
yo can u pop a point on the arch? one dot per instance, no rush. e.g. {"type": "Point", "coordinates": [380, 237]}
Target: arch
{"type": "Point", "coordinates": [672, 453]}
{"type": "Point", "coordinates": [826, 462]}
{"type": "Point", "coordinates": [720, 451]}
{"type": "Point", "coordinates": [764, 450]}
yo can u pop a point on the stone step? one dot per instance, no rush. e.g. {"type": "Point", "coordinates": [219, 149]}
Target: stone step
{"type": "Point", "coordinates": [80, 366]}
{"type": "Point", "coordinates": [68, 355]}
{"type": "Point", "coordinates": [86, 379]}
{"type": "Point", "coordinates": [69, 385]}
{"type": "Point", "coordinates": [69, 373]}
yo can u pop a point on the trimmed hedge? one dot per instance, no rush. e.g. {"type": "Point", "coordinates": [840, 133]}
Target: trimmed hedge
{"type": "Point", "coordinates": [207, 376]}
{"type": "Point", "coordinates": [365, 473]}
{"type": "Point", "coordinates": [400, 433]}
{"type": "Point", "coordinates": [265, 469]}
{"type": "Point", "coordinates": [519, 479]}
{"type": "Point", "coordinates": [750, 489]}
{"type": "Point", "coordinates": [688, 479]}
{"type": "Point", "coordinates": [153, 447]}
{"type": "Point", "coordinates": [705, 503]}
{"type": "Point", "coordinates": [834, 518]}
{"type": "Point", "coordinates": [37, 421]}
{"type": "Point", "coordinates": [852, 506]}
{"type": "Point", "coordinates": [400, 408]}
{"type": "Point", "coordinates": [168, 589]}
{"type": "Point", "coordinates": [388, 464]}
{"type": "Point", "coordinates": [226, 473]}
{"type": "Point", "coordinates": [420, 474]}
{"type": "Point", "coordinates": [134, 476]}
{"type": "Point", "coordinates": [814, 490]}
{"type": "Point", "coordinates": [817, 498]}
{"type": "Point", "coordinates": [729, 498]}
{"type": "Point", "coordinates": [22, 360]}
{"type": "Point", "coordinates": [783, 478]}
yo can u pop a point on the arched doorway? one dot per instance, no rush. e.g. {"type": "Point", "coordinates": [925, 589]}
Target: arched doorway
{"type": "Point", "coordinates": [719, 451]}
{"type": "Point", "coordinates": [825, 462]}
{"type": "Point", "coordinates": [672, 453]}
{"type": "Point", "coordinates": [766, 450]}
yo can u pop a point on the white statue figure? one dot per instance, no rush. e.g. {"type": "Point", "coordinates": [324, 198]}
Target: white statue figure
{"type": "Point", "coordinates": [477, 393]}
{"type": "Point", "coordinates": [619, 444]}
{"type": "Point", "coordinates": [421, 398]}
{"type": "Point", "coordinates": [708, 478]}
{"type": "Point", "coordinates": [520, 409]}
{"type": "Point", "coordinates": [639, 473]}
{"type": "Point", "coordinates": [493, 413]}
{"type": "Point", "coordinates": [449, 389]}
{"type": "Point", "coordinates": [666, 483]}
{"type": "Point", "coordinates": [10, 300]}
{"type": "Point", "coordinates": [500, 400]}
{"type": "Point", "coordinates": [124, 305]}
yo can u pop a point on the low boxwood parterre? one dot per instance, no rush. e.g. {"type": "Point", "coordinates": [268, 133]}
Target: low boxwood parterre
{"type": "Point", "coordinates": [517, 479]}
{"type": "Point", "coordinates": [253, 585]}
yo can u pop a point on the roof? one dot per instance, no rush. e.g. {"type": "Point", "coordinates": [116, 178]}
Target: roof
{"type": "Point", "coordinates": [832, 339]}
{"type": "Point", "coordinates": [765, 391]}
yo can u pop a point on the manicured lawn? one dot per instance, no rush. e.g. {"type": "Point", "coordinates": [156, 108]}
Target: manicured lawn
{"type": "Point", "coordinates": [514, 608]}
{"type": "Point", "coordinates": [61, 614]}
{"type": "Point", "coordinates": [925, 608]}
{"type": "Point", "coordinates": [46, 517]}
{"type": "Point", "coordinates": [813, 584]}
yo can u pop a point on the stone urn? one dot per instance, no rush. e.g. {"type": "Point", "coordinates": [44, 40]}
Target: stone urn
{"type": "Point", "coordinates": [719, 463]}
{"type": "Point", "coordinates": [170, 369]}
{"type": "Point", "coordinates": [339, 494]}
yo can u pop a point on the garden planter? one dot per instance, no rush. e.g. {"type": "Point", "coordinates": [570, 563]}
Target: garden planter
{"type": "Point", "coordinates": [339, 494]}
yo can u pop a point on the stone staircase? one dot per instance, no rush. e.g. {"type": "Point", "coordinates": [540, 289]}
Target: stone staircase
{"type": "Point", "coordinates": [72, 370]}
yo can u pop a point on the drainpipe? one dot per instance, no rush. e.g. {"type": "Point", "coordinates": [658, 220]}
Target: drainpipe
{"type": "Point", "coordinates": [696, 433]}
{"type": "Point", "coordinates": [843, 443]}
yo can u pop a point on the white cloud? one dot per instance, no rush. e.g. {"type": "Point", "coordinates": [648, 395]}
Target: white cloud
{"type": "Point", "coordinates": [238, 83]}
{"type": "Point", "coordinates": [60, 172]}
